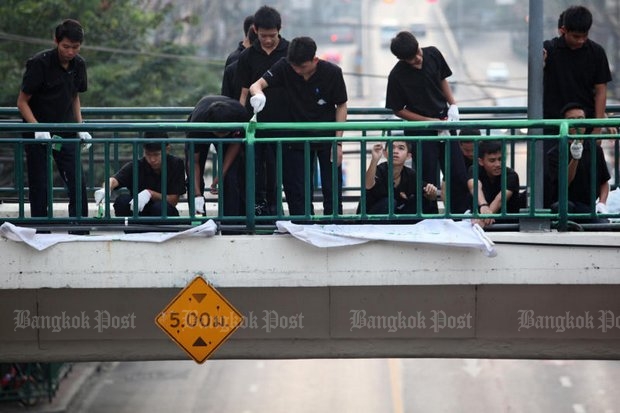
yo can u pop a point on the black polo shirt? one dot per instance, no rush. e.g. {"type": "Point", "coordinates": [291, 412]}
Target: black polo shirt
{"type": "Point", "coordinates": [579, 188]}
{"type": "Point", "coordinates": [419, 90]}
{"type": "Point", "coordinates": [53, 88]}
{"type": "Point", "coordinates": [200, 114]}
{"type": "Point", "coordinates": [149, 179]}
{"type": "Point", "coordinates": [492, 185]}
{"type": "Point", "coordinates": [253, 62]}
{"type": "Point", "coordinates": [570, 75]}
{"type": "Point", "coordinates": [312, 100]}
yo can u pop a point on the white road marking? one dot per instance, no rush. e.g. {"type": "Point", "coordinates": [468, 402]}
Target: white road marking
{"type": "Point", "coordinates": [566, 381]}
{"type": "Point", "coordinates": [578, 408]}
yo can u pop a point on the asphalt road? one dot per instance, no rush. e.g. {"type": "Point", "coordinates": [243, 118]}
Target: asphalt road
{"type": "Point", "coordinates": [362, 385]}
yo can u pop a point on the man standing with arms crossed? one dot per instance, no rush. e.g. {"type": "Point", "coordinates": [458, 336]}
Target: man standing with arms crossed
{"type": "Point", "coordinates": [50, 94]}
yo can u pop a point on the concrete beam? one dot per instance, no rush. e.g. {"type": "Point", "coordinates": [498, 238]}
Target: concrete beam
{"type": "Point", "coordinates": [536, 299]}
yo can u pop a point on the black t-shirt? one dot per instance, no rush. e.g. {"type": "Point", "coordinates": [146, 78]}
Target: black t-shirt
{"type": "Point", "coordinates": [419, 90]}
{"type": "Point", "coordinates": [570, 75]}
{"type": "Point", "coordinates": [253, 62]}
{"type": "Point", "coordinates": [53, 88]}
{"type": "Point", "coordinates": [491, 186]}
{"type": "Point", "coordinates": [312, 100]}
{"type": "Point", "coordinates": [579, 189]}
{"type": "Point", "coordinates": [407, 185]}
{"type": "Point", "coordinates": [234, 55]}
{"type": "Point", "coordinates": [230, 84]}
{"type": "Point", "coordinates": [200, 114]}
{"type": "Point", "coordinates": [149, 179]}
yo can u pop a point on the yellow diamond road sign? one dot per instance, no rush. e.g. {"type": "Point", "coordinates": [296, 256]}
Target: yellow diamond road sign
{"type": "Point", "coordinates": [199, 319]}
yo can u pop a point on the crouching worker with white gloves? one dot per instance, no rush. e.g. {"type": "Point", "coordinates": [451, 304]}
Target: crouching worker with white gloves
{"type": "Point", "coordinates": [150, 202]}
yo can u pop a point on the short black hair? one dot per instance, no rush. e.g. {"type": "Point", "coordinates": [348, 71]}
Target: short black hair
{"type": "Point", "coordinates": [488, 147]}
{"type": "Point", "coordinates": [404, 45]}
{"type": "Point", "coordinates": [70, 29]}
{"type": "Point", "coordinates": [577, 19]}
{"type": "Point", "coordinates": [409, 144]}
{"type": "Point", "coordinates": [571, 106]}
{"type": "Point", "coordinates": [469, 132]}
{"type": "Point", "coordinates": [301, 50]}
{"type": "Point", "coordinates": [247, 24]}
{"type": "Point", "coordinates": [267, 18]}
{"type": "Point", "coordinates": [154, 146]}
{"type": "Point", "coordinates": [226, 112]}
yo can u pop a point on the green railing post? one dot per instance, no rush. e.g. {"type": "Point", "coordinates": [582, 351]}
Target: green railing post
{"type": "Point", "coordinates": [250, 178]}
{"type": "Point", "coordinates": [563, 178]}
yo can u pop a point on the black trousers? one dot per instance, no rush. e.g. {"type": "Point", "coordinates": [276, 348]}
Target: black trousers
{"type": "Point", "coordinates": [432, 157]}
{"type": "Point", "coordinates": [294, 177]}
{"type": "Point", "coordinates": [39, 167]}
{"type": "Point", "coordinates": [153, 208]}
{"type": "Point", "coordinates": [233, 187]}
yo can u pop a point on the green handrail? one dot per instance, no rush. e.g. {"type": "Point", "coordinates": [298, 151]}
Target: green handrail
{"type": "Point", "coordinates": [112, 130]}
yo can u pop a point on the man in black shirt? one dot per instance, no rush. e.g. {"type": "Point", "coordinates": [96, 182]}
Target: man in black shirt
{"type": "Point", "coordinates": [418, 90]}
{"type": "Point", "coordinates": [49, 94]}
{"type": "Point", "coordinates": [218, 109]}
{"type": "Point", "coordinates": [149, 185]}
{"type": "Point", "coordinates": [316, 92]}
{"type": "Point", "coordinates": [252, 64]}
{"type": "Point", "coordinates": [580, 169]}
{"type": "Point", "coordinates": [490, 196]}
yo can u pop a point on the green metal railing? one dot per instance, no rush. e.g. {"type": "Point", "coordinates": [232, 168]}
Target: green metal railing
{"type": "Point", "coordinates": [115, 138]}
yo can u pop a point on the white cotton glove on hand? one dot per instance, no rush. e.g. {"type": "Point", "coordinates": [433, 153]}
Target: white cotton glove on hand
{"type": "Point", "coordinates": [576, 150]}
{"type": "Point", "coordinates": [453, 113]}
{"type": "Point", "coordinates": [258, 102]}
{"type": "Point", "coordinates": [143, 198]}
{"type": "Point", "coordinates": [99, 196]}
{"type": "Point", "coordinates": [42, 136]}
{"type": "Point", "coordinates": [199, 204]}
{"type": "Point", "coordinates": [86, 138]}
{"type": "Point", "coordinates": [601, 208]}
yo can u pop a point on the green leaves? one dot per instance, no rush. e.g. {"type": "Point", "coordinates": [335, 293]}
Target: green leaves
{"type": "Point", "coordinates": [130, 50]}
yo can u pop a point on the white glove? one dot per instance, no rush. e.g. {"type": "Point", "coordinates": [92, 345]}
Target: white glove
{"type": "Point", "coordinates": [601, 208]}
{"type": "Point", "coordinates": [444, 132]}
{"type": "Point", "coordinates": [258, 102]}
{"type": "Point", "coordinates": [576, 149]}
{"type": "Point", "coordinates": [99, 196]}
{"type": "Point", "coordinates": [85, 137]}
{"type": "Point", "coordinates": [199, 204]}
{"type": "Point", "coordinates": [453, 113]}
{"type": "Point", "coordinates": [43, 136]}
{"type": "Point", "coordinates": [143, 198]}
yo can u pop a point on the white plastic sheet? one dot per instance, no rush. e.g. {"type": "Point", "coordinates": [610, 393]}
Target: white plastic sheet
{"type": "Point", "coordinates": [43, 241]}
{"type": "Point", "coordinates": [431, 231]}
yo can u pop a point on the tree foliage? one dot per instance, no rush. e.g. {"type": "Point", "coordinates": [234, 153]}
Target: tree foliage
{"type": "Point", "coordinates": [129, 62]}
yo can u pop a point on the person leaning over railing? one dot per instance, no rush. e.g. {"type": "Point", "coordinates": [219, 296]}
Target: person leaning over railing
{"type": "Point", "coordinates": [490, 194]}
{"type": "Point", "coordinates": [150, 201]}
{"type": "Point", "coordinates": [418, 90]}
{"type": "Point", "coordinates": [580, 170]}
{"type": "Point", "coordinates": [218, 109]}
{"type": "Point", "coordinates": [316, 92]}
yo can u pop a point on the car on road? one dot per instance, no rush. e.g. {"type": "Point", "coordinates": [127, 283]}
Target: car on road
{"type": "Point", "coordinates": [497, 72]}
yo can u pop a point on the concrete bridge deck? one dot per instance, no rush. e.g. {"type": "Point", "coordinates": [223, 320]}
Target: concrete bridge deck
{"type": "Point", "coordinates": [545, 295]}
